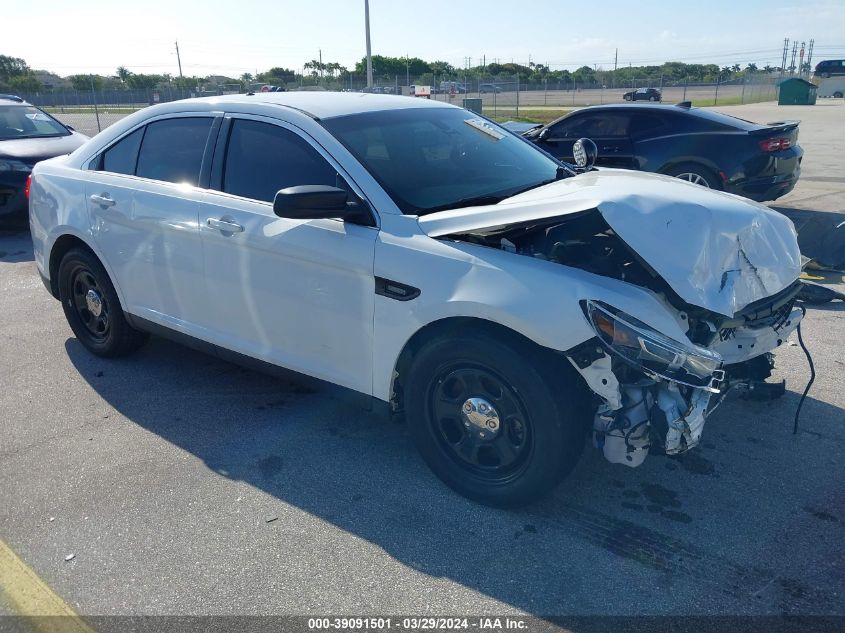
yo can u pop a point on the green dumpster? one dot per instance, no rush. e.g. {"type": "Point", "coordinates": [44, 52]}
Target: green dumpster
{"type": "Point", "coordinates": [473, 104]}
{"type": "Point", "coordinates": [794, 91]}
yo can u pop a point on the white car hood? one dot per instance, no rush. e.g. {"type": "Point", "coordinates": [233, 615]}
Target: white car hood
{"type": "Point", "coordinates": [716, 250]}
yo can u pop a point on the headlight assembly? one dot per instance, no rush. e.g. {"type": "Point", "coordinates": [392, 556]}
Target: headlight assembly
{"type": "Point", "coordinates": [652, 352]}
{"type": "Point", "coordinates": [14, 165]}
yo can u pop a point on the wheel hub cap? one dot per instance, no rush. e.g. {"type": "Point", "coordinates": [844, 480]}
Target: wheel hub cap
{"type": "Point", "coordinates": [480, 418]}
{"type": "Point", "coordinates": [94, 302]}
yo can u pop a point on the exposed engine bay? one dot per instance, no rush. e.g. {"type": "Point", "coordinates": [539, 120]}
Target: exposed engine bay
{"type": "Point", "coordinates": [653, 393]}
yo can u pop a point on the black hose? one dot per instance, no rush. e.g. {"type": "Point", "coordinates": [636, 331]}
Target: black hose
{"type": "Point", "coordinates": [812, 372]}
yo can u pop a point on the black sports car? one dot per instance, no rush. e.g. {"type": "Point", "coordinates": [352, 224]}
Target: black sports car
{"type": "Point", "coordinates": [761, 162]}
{"type": "Point", "coordinates": [643, 94]}
{"type": "Point", "coordinates": [27, 135]}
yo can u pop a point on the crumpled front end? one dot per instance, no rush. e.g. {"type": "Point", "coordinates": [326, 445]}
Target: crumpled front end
{"type": "Point", "coordinates": [655, 393]}
{"type": "Point", "coordinates": [724, 269]}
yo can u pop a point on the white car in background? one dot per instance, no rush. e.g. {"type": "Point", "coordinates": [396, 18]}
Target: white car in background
{"type": "Point", "coordinates": [419, 254]}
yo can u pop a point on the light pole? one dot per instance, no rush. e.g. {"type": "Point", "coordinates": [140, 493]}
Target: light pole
{"type": "Point", "coordinates": [369, 52]}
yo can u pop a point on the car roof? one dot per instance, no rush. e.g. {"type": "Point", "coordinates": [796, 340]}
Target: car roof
{"type": "Point", "coordinates": [325, 105]}
{"type": "Point", "coordinates": [704, 113]}
{"type": "Point", "coordinates": [12, 100]}
{"type": "Point", "coordinates": [638, 107]}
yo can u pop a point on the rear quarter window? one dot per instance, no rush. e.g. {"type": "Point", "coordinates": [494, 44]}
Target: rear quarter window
{"type": "Point", "coordinates": [121, 157]}
{"type": "Point", "coordinates": [703, 120]}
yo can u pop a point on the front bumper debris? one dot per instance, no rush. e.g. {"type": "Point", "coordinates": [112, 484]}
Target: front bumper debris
{"type": "Point", "coordinates": [638, 413]}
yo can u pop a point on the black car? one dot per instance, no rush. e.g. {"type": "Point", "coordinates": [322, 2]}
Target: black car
{"type": "Point", "coordinates": [485, 88]}
{"type": "Point", "coordinates": [830, 68]}
{"type": "Point", "coordinates": [643, 94]}
{"type": "Point", "coordinates": [27, 135]}
{"type": "Point", "coordinates": [761, 162]}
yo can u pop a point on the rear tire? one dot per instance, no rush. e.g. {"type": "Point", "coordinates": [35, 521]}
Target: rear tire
{"type": "Point", "coordinates": [92, 308]}
{"type": "Point", "coordinates": [497, 424]}
{"type": "Point", "coordinates": [696, 174]}
{"type": "Point", "coordinates": [837, 95]}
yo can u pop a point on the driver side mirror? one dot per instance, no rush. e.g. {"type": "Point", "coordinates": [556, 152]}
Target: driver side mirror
{"type": "Point", "coordinates": [314, 202]}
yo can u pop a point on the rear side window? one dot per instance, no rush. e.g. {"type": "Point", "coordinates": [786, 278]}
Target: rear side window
{"type": "Point", "coordinates": [262, 158]}
{"type": "Point", "coordinates": [645, 124]}
{"type": "Point", "coordinates": [121, 157]}
{"type": "Point", "coordinates": [172, 149]}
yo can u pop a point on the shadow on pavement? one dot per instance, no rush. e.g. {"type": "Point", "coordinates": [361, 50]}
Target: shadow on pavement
{"type": "Point", "coordinates": [729, 528]}
{"type": "Point", "coordinates": [821, 235]}
{"type": "Point", "coordinates": [15, 246]}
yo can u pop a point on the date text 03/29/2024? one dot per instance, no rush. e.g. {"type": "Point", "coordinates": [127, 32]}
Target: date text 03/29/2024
{"type": "Point", "coordinates": [417, 624]}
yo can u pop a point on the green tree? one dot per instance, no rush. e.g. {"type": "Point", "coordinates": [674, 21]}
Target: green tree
{"type": "Point", "coordinates": [389, 67]}
{"type": "Point", "coordinates": [27, 82]}
{"type": "Point", "coordinates": [12, 67]}
{"type": "Point", "coordinates": [186, 83]}
{"type": "Point", "coordinates": [85, 82]}
{"type": "Point", "coordinates": [276, 76]}
{"type": "Point", "coordinates": [143, 82]}
{"type": "Point", "coordinates": [123, 74]}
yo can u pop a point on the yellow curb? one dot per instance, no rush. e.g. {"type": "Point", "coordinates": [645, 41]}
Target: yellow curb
{"type": "Point", "coordinates": [29, 596]}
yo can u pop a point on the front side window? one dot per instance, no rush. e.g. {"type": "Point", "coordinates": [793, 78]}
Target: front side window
{"type": "Point", "coordinates": [429, 159]}
{"type": "Point", "coordinates": [262, 158]}
{"type": "Point", "coordinates": [172, 149]}
{"type": "Point", "coordinates": [18, 121]}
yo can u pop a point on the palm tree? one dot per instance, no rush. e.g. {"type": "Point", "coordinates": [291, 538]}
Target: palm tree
{"type": "Point", "coordinates": [123, 74]}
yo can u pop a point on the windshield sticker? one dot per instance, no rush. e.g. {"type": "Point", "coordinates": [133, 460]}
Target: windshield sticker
{"type": "Point", "coordinates": [483, 126]}
{"type": "Point", "coordinates": [37, 116]}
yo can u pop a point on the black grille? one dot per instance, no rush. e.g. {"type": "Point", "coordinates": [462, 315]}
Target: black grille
{"type": "Point", "coordinates": [773, 316]}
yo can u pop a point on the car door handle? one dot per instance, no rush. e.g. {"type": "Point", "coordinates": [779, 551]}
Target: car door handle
{"type": "Point", "coordinates": [225, 226]}
{"type": "Point", "coordinates": [103, 200]}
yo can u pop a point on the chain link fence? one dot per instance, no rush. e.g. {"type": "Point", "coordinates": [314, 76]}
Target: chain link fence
{"type": "Point", "coordinates": [502, 97]}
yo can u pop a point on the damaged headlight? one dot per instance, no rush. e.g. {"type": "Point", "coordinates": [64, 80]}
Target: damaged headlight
{"type": "Point", "coordinates": [652, 352]}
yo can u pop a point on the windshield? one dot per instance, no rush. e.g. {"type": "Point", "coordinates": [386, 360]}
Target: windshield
{"type": "Point", "coordinates": [18, 121]}
{"type": "Point", "coordinates": [430, 159]}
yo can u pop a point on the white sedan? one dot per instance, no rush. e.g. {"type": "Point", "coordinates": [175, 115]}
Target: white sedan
{"type": "Point", "coordinates": [421, 255]}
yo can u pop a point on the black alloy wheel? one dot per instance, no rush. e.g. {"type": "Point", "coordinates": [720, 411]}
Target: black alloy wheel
{"type": "Point", "coordinates": [497, 419]}
{"type": "Point", "coordinates": [479, 422]}
{"type": "Point", "coordinates": [92, 307]}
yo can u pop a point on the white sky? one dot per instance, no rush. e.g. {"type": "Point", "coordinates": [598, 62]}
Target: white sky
{"type": "Point", "coordinates": [97, 36]}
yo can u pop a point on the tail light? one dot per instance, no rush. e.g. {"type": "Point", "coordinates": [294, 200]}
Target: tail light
{"type": "Point", "coordinates": [27, 187]}
{"type": "Point", "coordinates": [775, 144]}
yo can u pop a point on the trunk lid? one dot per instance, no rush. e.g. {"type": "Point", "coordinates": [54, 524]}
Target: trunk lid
{"type": "Point", "coordinates": [716, 250]}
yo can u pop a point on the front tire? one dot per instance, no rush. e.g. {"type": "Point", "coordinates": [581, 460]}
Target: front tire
{"type": "Point", "coordinates": [497, 424]}
{"type": "Point", "coordinates": [92, 308]}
